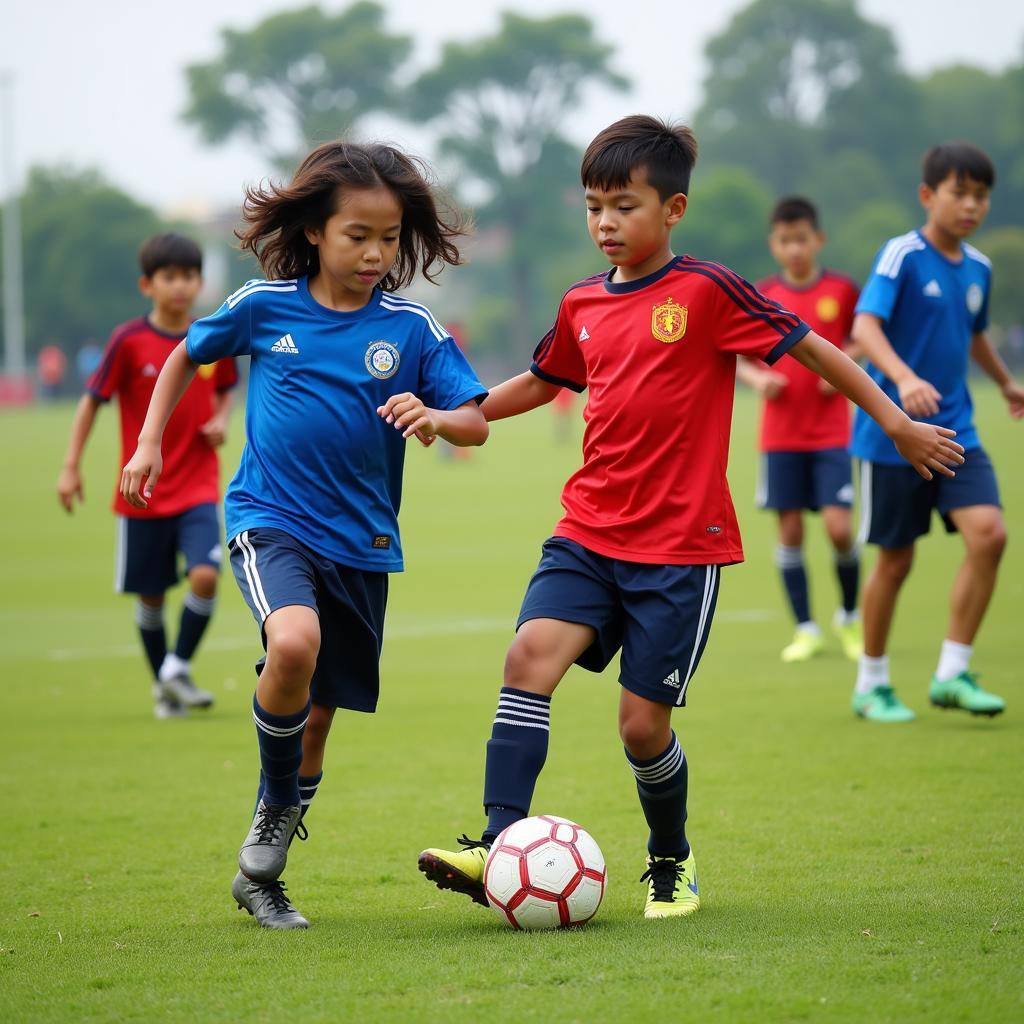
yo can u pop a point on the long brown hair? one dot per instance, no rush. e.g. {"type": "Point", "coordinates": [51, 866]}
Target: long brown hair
{"type": "Point", "coordinates": [276, 216]}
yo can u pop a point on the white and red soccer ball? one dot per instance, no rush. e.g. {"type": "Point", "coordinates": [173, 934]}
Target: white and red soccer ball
{"type": "Point", "coordinates": [545, 872]}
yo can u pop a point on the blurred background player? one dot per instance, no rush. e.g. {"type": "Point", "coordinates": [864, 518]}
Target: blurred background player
{"type": "Point", "coordinates": [805, 429]}
{"type": "Point", "coordinates": [923, 312]}
{"type": "Point", "coordinates": [183, 519]}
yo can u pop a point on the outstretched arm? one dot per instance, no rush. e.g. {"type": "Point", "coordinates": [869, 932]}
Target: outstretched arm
{"type": "Point", "coordinates": [463, 426]}
{"type": "Point", "coordinates": [69, 483]}
{"type": "Point", "coordinates": [518, 395]}
{"type": "Point", "coordinates": [924, 446]}
{"type": "Point", "coordinates": [985, 355]}
{"type": "Point", "coordinates": [146, 464]}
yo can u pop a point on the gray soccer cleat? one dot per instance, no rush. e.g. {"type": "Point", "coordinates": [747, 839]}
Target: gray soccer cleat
{"type": "Point", "coordinates": [166, 707]}
{"type": "Point", "coordinates": [267, 902]}
{"type": "Point", "coordinates": [264, 852]}
{"type": "Point", "coordinates": [182, 689]}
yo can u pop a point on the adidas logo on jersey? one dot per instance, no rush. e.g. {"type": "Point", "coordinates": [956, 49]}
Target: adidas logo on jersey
{"type": "Point", "coordinates": [584, 333]}
{"type": "Point", "coordinates": [672, 680]}
{"type": "Point", "coordinates": [932, 289]}
{"type": "Point", "coordinates": [285, 344]}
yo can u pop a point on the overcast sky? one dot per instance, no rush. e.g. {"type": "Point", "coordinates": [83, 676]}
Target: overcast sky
{"type": "Point", "coordinates": [101, 84]}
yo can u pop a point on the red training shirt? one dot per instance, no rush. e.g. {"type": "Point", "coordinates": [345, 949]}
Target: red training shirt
{"type": "Point", "coordinates": [130, 366]}
{"type": "Point", "coordinates": [803, 419]}
{"type": "Point", "coordinates": [659, 358]}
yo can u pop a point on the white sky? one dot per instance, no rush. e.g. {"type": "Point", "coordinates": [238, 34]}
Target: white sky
{"type": "Point", "coordinates": [101, 83]}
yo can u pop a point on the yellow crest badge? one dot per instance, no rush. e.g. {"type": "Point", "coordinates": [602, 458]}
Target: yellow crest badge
{"type": "Point", "coordinates": [668, 321]}
{"type": "Point", "coordinates": [827, 308]}
{"type": "Point", "coordinates": [207, 370]}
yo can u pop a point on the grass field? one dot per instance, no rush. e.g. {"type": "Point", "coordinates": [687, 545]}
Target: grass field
{"type": "Point", "coordinates": [849, 872]}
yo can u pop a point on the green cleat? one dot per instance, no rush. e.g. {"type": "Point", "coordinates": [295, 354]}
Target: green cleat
{"type": "Point", "coordinates": [963, 693]}
{"type": "Point", "coordinates": [461, 871]}
{"type": "Point", "coordinates": [806, 644]}
{"type": "Point", "coordinates": [881, 705]}
{"type": "Point", "coordinates": [672, 887]}
{"type": "Point", "coordinates": [851, 638]}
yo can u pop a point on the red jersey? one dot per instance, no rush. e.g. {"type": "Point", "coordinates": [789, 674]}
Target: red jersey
{"type": "Point", "coordinates": [130, 366]}
{"type": "Point", "coordinates": [803, 419]}
{"type": "Point", "coordinates": [659, 358]}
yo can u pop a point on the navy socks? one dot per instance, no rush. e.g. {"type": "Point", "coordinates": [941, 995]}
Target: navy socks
{"type": "Point", "coordinates": [516, 753]}
{"type": "Point", "coordinates": [280, 740]}
{"type": "Point", "coordinates": [790, 561]}
{"type": "Point", "coordinates": [195, 617]}
{"type": "Point", "coordinates": [848, 571]}
{"type": "Point", "coordinates": [150, 621]}
{"type": "Point", "coordinates": [661, 784]}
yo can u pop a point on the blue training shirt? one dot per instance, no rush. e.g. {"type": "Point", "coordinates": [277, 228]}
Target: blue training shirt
{"type": "Point", "coordinates": [931, 307]}
{"type": "Point", "coordinates": [319, 463]}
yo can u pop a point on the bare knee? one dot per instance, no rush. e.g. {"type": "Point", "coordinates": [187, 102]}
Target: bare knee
{"type": "Point", "coordinates": [894, 564]}
{"type": "Point", "coordinates": [990, 541]}
{"type": "Point", "coordinates": [522, 661]}
{"type": "Point", "coordinates": [203, 581]}
{"type": "Point", "coordinates": [791, 528]}
{"type": "Point", "coordinates": [293, 653]}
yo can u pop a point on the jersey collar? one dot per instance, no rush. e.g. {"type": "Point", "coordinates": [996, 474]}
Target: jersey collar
{"type": "Point", "coordinates": [640, 282]}
{"type": "Point", "coordinates": [336, 314]}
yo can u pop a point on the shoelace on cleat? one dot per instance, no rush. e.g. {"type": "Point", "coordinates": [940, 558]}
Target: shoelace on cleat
{"type": "Point", "coordinates": [271, 821]}
{"type": "Point", "coordinates": [301, 832]}
{"type": "Point", "coordinates": [665, 875]}
{"type": "Point", "coordinates": [887, 695]}
{"type": "Point", "coordinates": [275, 894]}
{"type": "Point", "coordinates": [472, 844]}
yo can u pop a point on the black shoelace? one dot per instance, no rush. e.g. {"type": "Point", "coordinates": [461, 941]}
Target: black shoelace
{"type": "Point", "coordinates": [270, 823]}
{"type": "Point", "coordinates": [665, 875]}
{"type": "Point", "coordinates": [274, 892]}
{"type": "Point", "coordinates": [473, 844]}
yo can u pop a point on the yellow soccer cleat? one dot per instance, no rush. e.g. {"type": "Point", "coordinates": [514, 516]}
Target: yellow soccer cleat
{"type": "Point", "coordinates": [672, 887]}
{"type": "Point", "coordinates": [461, 870]}
{"type": "Point", "coordinates": [806, 644]}
{"type": "Point", "coordinates": [851, 637]}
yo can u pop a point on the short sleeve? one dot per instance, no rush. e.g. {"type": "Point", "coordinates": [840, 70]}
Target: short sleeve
{"type": "Point", "coordinates": [225, 375]}
{"type": "Point", "coordinates": [446, 378]}
{"type": "Point", "coordinates": [981, 318]}
{"type": "Point", "coordinates": [748, 323]}
{"type": "Point", "coordinates": [881, 290]}
{"type": "Point", "coordinates": [106, 379]}
{"type": "Point", "coordinates": [222, 334]}
{"type": "Point", "coordinates": [558, 359]}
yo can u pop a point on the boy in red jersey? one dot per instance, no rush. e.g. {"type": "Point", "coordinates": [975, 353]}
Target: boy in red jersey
{"type": "Point", "coordinates": [805, 428]}
{"type": "Point", "coordinates": [634, 563]}
{"type": "Point", "coordinates": [185, 518]}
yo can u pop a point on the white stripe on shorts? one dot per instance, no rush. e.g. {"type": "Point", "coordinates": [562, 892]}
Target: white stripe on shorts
{"type": "Point", "coordinates": [252, 576]}
{"type": "Point", "coordinates": [121, 554]}
{"type": "Point", "coordinates": [865, 502]}
{"type": "Point", "coordinates": [705, 607]}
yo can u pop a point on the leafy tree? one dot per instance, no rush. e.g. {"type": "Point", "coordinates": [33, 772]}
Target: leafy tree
{"type": "Point", "coordinates": [80, 237]}
{"type": "Point", "coordinates": [500, 103]}
{"type": "Point", "coordinates": [297, 78]}
{"type": "Point", "coordinates": [1005, 248]}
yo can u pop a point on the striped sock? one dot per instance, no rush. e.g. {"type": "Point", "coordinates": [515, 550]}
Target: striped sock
{"type": "Point", "coordinates": [661, 784]}
{"type": "Point", "coordinates": [280, 740]}
{"type": "Point", "coordinates": [308, 785]}
{"type": "Point", "coordinates": [195, 617]}
{"type": "Point", "coordinates": [150, 620]}
{"type": "Point", "coordinates": [516, 753]}
{"type": "Point", "coordinates": [790, 561]}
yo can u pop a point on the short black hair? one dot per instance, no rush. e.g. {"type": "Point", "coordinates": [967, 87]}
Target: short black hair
{"type": "Point", "coordinates": [667, 151]}
{"type": "Point", "coordinates": [169, 250]}
{"type": "Point", "coordinates": [790, 209]}
{"type": "Point", "coordinates": [959, 158]}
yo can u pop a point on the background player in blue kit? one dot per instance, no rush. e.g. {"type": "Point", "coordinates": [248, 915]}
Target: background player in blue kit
{"type": "Point", "coordinates": [343, 371]}
{"type": "Point", "coordinates": [923, 312]}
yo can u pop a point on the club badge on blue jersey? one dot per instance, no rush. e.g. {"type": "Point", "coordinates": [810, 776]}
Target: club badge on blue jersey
{"type": "Point", "coordinates": [382, 359]}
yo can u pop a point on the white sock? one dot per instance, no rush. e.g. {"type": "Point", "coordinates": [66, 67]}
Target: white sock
{"type": "Point", "coordinates": [845, 618]}
{"type": "Point", "coordinates": [810, 626]}
{"type": "Point", "coordinates": [872, 672]}
{"type": "Point", "coordinates": [954, 658]}
{"type": "Point", "coordinates": [172, 666]}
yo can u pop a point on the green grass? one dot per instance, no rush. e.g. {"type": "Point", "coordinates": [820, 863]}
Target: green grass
{"type": "Point", "coordinates": [849, 872]}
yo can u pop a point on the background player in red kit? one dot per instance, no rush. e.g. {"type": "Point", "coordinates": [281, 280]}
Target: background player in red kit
{"type": "Point", "coordinates": [183, 517]}
{"type": "Point", "coordinates": [634, 563]}
{"type": "Point", "coordinates": [805, 428]}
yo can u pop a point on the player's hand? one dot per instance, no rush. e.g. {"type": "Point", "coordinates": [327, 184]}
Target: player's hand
{"type": "Point", "coordinates": [145, 465]}
{"type": "Point", "coordinates": [215, 431]}
{"type": "Point", "coordinates": [410, 415]}
{"type": "Point", "coordinates": [770, 385]}
{"type": "Point", "coordinates": [425, 439]}
{"type": "Point", "coordinates": [1014, 395]}
{"type": "Point", "coordinates": [69, 487]}
{"type": "Point", "coordinates": [928, 448]}
{"type": "Point", "coordinates": [917, 396]}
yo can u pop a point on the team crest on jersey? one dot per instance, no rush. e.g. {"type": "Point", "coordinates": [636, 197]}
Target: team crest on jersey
{"type": "Point", "coordinates": [382, 359]}
{"type": "Point", "coordinates": [668, 321]}
{"type": "Point", "coordinates": [827, 308]}
{"type": "Point", "coordinates": [207, 370]}
{"type": "Point", "coordinates": [975, 297]}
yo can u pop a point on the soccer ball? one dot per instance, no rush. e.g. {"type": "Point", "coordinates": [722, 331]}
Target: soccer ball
{"type": "Point", "coordinates": [545, 872]}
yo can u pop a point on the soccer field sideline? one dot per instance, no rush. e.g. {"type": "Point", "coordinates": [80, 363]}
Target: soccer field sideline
{"type": "Point", "coordinates": [848, 872]}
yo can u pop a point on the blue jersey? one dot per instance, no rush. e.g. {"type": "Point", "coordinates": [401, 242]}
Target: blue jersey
{"type": "Point", "coordinates": [319, 463]}
{"type": "Point", "coordinates": [931, 307]}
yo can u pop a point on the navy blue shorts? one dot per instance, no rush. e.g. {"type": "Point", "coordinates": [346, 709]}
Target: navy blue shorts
{"type": "Point", "coordinates": [146, 561]}
{"type": "Point", "coordinates": [274, 570]}
{"type": "Point", "coordinates": [659, 615]}
{"type": "Point", "coordinates": [811, 480]}
{"type": "Point", "coordinates": [897, 502]}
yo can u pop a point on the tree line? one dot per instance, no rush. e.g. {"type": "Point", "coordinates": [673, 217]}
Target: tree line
{"type": "Point", "coordinates": [801, 96]}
